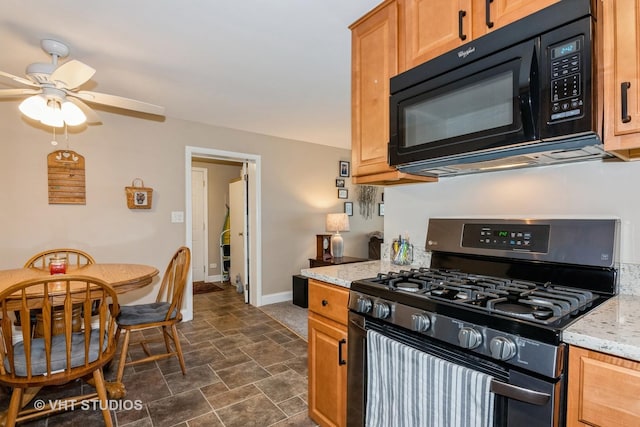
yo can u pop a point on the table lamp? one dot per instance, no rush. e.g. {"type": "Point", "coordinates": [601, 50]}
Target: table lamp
{"type": "Point", "coordinates": [337, 222]}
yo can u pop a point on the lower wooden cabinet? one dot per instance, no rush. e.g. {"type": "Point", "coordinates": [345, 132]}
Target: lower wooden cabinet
{"type": "Point", "coordinates": [327, 353]}
{"type": "Point", "coordinates": [604, 390]}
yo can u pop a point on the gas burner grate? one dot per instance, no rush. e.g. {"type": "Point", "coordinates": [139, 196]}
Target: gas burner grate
{"type": "Point", "coordinates": [540, 303]}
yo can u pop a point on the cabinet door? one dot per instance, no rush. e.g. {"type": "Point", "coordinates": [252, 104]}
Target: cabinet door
{"type": "Point", "coordinates": [327, 371]}
{"type": "Point", "coordinates": [374, 61]}
{"type": "Point", "coordinates": [603, 390]}
{"type": "Point", "coordinates": [433, 27]}
{"type": "Point", "coordinates": [622, 77]}
{"type": "Point", "coordinates": [489, 15]}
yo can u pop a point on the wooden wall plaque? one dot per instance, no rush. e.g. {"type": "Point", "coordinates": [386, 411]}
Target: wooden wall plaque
{"type": "Point", "coordinates": [66, 178]}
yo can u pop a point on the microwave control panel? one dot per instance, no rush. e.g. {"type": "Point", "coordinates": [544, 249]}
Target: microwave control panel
{"type": "Point", "coordinates": [567, 99]}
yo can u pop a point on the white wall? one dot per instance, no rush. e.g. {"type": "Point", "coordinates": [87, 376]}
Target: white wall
{"type": "Point", "coordinates": [298, 190]}
{"type": "Point", "coordinates": [589, 189]}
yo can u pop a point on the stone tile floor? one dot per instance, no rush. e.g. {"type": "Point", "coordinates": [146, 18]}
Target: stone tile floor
{"type": "Point", "coordinates": [244, 369]}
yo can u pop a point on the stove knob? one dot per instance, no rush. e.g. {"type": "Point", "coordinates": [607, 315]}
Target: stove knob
{"type": "Point", "coordinates": [502, 348]}
{"type": "Point", "coordinates": [363, 305]}
{"type": "Point", "coordinates": [469, 338]}
{"type": "Point", "coordinates": [420, 322]}
{"type": "Point", "coordinates": [381, 310]}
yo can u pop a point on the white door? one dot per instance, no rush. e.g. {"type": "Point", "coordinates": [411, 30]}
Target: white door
{"type": "Point", "coordinates": [238, 211]}
{"type": "Point", "coordinates": [199, 224]}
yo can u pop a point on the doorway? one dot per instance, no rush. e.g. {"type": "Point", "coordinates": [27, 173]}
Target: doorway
{"type": "Point", "coordinates": [253, 279]}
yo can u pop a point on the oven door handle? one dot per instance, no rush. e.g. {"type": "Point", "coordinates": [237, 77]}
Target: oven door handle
{"type": "Point", "coordinates": [522, 394]}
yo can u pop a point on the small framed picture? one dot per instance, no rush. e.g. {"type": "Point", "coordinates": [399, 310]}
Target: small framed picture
{"type": "Point", "coordinates": [380, 209]}
{"type": "Point", "coordinates": [348, 208]}
{"type": "Point", "coordinates": [344, 168]}
{"type": "Point", "coordinates": [340, 183]}
{"type": "Point", "coordinates": [343, 193]}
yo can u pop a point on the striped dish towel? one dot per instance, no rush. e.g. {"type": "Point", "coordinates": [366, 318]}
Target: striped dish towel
{"type": "Point", "coordinates": [409, 388]}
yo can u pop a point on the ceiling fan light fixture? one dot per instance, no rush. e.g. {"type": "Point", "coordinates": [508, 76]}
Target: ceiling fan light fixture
{"type": "Point", "coordinates": [52, 114]}
{"type": "Point", "coordinates": [73, 116]}
{"type": "Point", "coordinates": [33, 107]}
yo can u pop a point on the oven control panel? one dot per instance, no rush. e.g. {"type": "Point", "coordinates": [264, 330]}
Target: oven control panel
{"type": "Point", "coordinates": [526, 237]}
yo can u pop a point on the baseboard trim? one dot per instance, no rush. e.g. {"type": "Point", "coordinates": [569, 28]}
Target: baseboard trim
{"type": "Point", "coordinates": [277, 297]}
{"type": "Point", "coordinates": [214, 279]}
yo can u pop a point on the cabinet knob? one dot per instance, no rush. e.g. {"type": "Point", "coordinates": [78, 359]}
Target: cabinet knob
{"type": "Point", "coordinates": [325, 302]}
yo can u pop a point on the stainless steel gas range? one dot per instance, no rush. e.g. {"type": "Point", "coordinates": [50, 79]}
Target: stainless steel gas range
{"type": "Point", "coordinates": [476, 339]}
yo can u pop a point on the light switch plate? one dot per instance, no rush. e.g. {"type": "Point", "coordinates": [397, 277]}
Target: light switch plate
{"type": "Point", "coordinates": [177, 216]}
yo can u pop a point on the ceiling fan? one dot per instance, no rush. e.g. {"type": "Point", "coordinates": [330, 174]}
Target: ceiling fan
{"type": "Point", "coordinates": [53, 97]}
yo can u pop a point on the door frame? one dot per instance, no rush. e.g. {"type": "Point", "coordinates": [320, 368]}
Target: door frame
{"type": "Point", "coordinates": [205, 231]}
{"type": "Point", "coordinates": [255, 220]}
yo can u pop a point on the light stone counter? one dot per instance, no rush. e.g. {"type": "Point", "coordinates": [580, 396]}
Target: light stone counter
{"type": "Point", "coordinates": [612, 328]}
{"type": "Point", "coordinates": [344, 274]}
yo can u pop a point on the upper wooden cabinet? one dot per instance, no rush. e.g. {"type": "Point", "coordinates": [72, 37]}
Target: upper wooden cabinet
{"type": "Point", "coordinates": [433, 27]}
{"type": "Point", "coordinates": [374, 50]}
{"type": "Point", "coordinates": [429, 28]}
{"type": "Point", "coordinates": [621, 58]}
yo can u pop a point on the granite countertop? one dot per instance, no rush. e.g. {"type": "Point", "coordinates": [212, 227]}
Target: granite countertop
{"type": "Point", "coordinates": [344, 274]}
{"type": "Point", "coordinates": [613, 327]}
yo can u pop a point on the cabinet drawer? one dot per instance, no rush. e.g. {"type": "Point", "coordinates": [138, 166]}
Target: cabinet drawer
{"type": "Point", "coordinates": [329, 301]}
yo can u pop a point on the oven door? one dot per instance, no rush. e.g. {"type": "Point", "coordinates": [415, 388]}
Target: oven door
{"type": "Point", "coordinates": [486, 104]}
{"type": "Point", "coordinates": [520, 399]}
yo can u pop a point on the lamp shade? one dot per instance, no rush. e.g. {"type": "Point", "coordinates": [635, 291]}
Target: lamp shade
{"type": "Point", "coordinates": [51, 113]}
{"type": "Point", "coordinates": [337, 222]}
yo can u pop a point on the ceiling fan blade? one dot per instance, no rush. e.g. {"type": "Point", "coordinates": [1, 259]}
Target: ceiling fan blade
{"type": "Point", "coordinates": [119, 102]}
{"type": "Point", "coordinates": [18, 79]}
{"type": "Point", "coordinates": [72, 74]}
{"type": "Point", "coordinates": [92, 117]}
{"type": "Point", "coordinates": [14, 93]}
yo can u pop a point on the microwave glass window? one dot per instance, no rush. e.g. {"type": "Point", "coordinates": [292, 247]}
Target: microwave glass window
{"type": "Point", "coordinates": [480, 106]}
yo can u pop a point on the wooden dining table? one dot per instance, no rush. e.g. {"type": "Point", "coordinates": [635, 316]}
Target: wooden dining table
{"type": "Point", "coordinates": [122, 277]}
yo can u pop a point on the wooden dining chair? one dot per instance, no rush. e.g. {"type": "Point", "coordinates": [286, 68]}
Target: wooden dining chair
{"type": "Point", "coordinates": [60, 355]}
{"type": "Point", "coordinates": [74, 257]}
{"type": "Point", "coordinates": [164, 313]}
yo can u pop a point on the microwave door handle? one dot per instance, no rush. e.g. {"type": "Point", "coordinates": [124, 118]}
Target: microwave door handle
{"type": "Point", "coordinates": [528, 84]}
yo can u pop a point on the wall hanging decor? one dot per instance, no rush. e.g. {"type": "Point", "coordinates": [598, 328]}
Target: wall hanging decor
{"type": "Point", "coordinates": [139, 196]}
{"type": "Point", "coordinates": [66, 178]}
{"type": "Point", "coordinates": [348, 208]}
{"type": "Point", "coordinates": [344, 168]}
{"type": "Point", "coordinates": [367, 195]}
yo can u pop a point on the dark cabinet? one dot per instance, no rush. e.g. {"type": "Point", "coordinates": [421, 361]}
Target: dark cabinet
{"type": "Point", "coordinates": [300, 291]}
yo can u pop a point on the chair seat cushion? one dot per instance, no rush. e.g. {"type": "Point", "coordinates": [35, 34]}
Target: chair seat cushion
{"type": "Point", "coordinates": [131, 315]}
{"type": "Point", "coordinates": [58, 354]}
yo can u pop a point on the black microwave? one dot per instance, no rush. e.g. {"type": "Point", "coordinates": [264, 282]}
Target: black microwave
{"type": "Point", "coordinates": [523, 95]}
